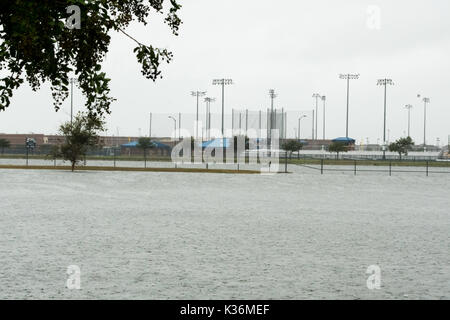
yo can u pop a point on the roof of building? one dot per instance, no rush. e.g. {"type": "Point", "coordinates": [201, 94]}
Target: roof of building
{"type": "Point", "coordinates": [344, 139]}
{"type": "Point", "coordinates": [134, 144]}
{"type": "Point", "coordinates": [216, 143]}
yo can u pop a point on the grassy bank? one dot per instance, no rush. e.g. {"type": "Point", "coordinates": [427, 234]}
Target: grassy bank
{"type": "Point", "coordinates": [94, 168]}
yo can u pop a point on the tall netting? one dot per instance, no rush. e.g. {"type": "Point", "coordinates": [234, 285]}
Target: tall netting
{"type": "Point", "coordinates": [285, 121]}
{"type": "Point", "coordinates": [239, 122]}
{"type": "Point", "coordinates": [179, 125]}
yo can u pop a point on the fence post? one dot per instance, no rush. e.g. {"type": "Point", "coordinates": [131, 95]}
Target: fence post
{"type": "Point", "coordinates": [285, 162]}
{"type": "Point", "coordinates": [321, 166]}
{"type": "Point", "coordinates": [390, 168]}
{"type": "Point", "coordinates": [355, 167]}
{"type": "Point", "coordinates": [427, 168]}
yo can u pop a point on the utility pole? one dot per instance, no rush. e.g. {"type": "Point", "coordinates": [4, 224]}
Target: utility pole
{"type": "Point", "coordinates": [317, 97]}
{"type": "Point", "coordinates": [348, 77]}
{"type": "Point", "coordinates": [385, 83]}
{"type": "Point", "coordinates": [197, 94]}
{"type": "Point", "coordinates": [223, 83]}
{"type": "Point", "coordinates": [409, 107]}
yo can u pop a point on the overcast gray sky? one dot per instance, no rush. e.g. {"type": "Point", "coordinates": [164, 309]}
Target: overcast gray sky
{"type": "Point", "coordinates": [296, 47]}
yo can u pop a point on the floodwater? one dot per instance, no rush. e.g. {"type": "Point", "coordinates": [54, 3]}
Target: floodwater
{"type": "Point", "coordinates": [145, 235]}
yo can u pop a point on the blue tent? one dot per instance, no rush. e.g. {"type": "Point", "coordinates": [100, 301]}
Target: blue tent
{"type": "Point", "coordinates": [217, 143]}
{"type": "Point", "coordinates": [345, 140]}
{"type": "Point", "coordinates": [156, 144]}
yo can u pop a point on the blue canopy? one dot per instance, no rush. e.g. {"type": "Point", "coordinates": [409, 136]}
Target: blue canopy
{"type": "Point", "coordinates": [217, 143]}
{"type": "Point", "coordinates": [345, 140]}
{"type": "Point", "coordinates": [156, 144]}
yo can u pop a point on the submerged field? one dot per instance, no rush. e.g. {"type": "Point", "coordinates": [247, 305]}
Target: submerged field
{"type": "Point", "coordinates": [158, 235]}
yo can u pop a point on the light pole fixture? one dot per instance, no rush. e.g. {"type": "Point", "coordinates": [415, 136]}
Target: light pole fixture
{"type": "Point", "coordinates": [409, 107]}
{"type": "Point", "coordinates": [299, 120]}
{"type": "Point", "coordinates": [324, 99]}
{"type": "Point", "coordinates": [223, 83]}
{"type": "Point", "coordinates": [348, 77]}
{"type": "Point", "coordinates": [208, 101]}
{"type": "Point", "coordinates": [317, 97]}
{"type": "Point", "coordinates": [197, 94]}
{"type": "Point", "coordinates": [175, 127]}
{"type": "Point", "coordinates": [385, 83]}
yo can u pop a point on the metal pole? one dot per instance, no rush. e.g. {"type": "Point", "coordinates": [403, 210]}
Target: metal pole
{"type": "Point", "coordinates": [246, 122]}
{"type": "Point", "coordinates": [348, 102]}
{"type": "Point", "coordinates": [323, 118]}
{"type": "Point", "coordinates": [232, 122]}
{"type": "Point", "coordinates": [71, 101]}
{"type": "Point", "coordinates": [409, 121]}
{"type": "Point", "coordinates": [317, 116]}
{"type": "Point", "coordinates": [313, 125]}
{"type": "Point", "coordinates": [298, 135]}
{"type": "Point", "coordinates": [196, 123]}
{"type": "Point", "coordinates": [179, 126]}
{"type": "Point", "coordinates": [384, 127]}
{"type": "Point", "coordinates": [223, 106]}
{"type": "Point", "coordinates": [259, 125]}
{"type": "Point", "coordinates": [150, 127]}
{"type": "Point", "coordinates": [424, 125]}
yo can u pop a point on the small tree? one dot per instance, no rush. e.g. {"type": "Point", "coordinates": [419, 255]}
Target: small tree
{"type": "Point", "coordinates": [80, 135]}
{"type": "Point", "coordinates": [4, 144]}
{"type": "Point", "coordinates": [144, 144]}
{"type": "Point", "coordinates": [55, 153]}
{"type": "Point", "coordinates": [292, 146]}
{"type": "Point", "coordinates": [338, 147]}
{"type": "Point", "coordinates": [401, 146]}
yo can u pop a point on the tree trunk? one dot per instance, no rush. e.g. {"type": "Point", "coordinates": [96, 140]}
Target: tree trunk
{"type": "Point", "coordinates": [145, 158]}
{"type": "Point", "coordinates": [73, 166]}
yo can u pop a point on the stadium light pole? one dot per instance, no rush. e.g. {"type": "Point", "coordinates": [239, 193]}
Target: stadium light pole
{"type": "Point", "coordinates": [348, 77]}
{"type": "Point", "coordinates": [425, 102]}
{"type": "Point", "coordinates": [223, 83]}
{"type": "Point", "coordinates": [208, 101]}
{"type": "Point", "coordinates": [317, 97]}
{"type": "Point", "coordinates": [409, 107]}
{"type": "Point", "coordinates": [197, 94]}
{"type": "Point", "coordinates": [299, 122]}
{"type": "Point", "coordinates": [385, 83]}
{"type": "Point", "coordinates": [324, 99]}
{"type": "Point", "coordinates": [272, 96]}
